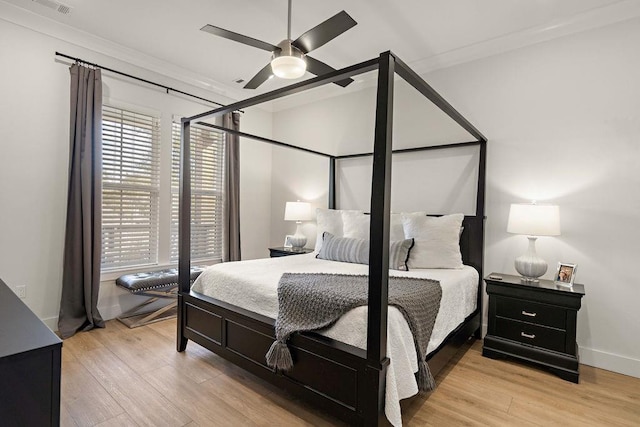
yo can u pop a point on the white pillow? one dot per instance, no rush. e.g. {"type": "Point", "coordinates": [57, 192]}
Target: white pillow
{"type": "Point", "coordinates": [329, 220]}
{"type": "Point", "coordinates": [397, 230]}
{"type": "Point", "coordinates": [437, 240]}
{"type": "Point", "coordinates": [412, 214]}
{"type": "Point", "coordinates": [356, 226]}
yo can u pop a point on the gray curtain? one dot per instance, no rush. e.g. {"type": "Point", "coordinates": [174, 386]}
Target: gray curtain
{"type": "Point", "coordinates": [82, 246]}
{"type": "Point", "coordinates": [231, 240]}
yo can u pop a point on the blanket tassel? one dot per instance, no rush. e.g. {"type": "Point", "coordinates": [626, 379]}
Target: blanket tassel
{"type": "Point", "coordinates": [426, 382]}
{"type": "Point", "coordinates": [279, 356]}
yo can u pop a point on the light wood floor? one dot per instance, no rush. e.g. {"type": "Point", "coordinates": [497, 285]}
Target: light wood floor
{"type": "Point", "coordinates": [134, 377]}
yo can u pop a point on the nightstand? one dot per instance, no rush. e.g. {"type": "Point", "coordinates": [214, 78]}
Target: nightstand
{"type": "Point", "coordinates": [282, 251]}
{"type": "Point", "coordinates": [534, 322]}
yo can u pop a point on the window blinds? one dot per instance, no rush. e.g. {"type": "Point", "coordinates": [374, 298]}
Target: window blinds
{"type": "Point", "coordinates": [130, 188]}
{"type": "Point", "coordinates": [207, 167]}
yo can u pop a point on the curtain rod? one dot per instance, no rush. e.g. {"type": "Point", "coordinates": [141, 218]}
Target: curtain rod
{"type": "Point", "coordinates": [167, 88]}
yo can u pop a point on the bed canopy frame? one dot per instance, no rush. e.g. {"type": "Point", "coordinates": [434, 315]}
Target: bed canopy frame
{"type": "Point", "coordinates": [344, 380]}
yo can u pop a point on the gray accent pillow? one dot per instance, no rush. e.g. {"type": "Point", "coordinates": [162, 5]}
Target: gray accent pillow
{"type": "Point", "coordinates": [348, 249]}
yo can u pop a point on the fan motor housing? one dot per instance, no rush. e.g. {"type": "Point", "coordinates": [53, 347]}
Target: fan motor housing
{"type": "Point", "coordinates": [287, 49]}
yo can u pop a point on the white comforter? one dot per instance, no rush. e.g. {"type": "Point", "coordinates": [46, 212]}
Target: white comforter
{"type": "Point", "coordinates": [253, 285]}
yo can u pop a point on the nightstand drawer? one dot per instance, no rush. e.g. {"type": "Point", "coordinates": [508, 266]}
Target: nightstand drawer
{"type": "Point", "coordinates": [526, 311]}
{"type": "Point", "coordinates": [539, 336]}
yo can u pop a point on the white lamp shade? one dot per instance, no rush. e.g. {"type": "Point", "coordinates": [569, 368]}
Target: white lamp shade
{"type": "Point", "coordinates": [297, 211]}
{"type": "Point", "coordinates": [534, 220]}
{"type": "Point", "coordinates": [288, 67]}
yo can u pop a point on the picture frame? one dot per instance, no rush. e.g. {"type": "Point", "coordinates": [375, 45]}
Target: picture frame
{"type": "Point", "coordinates": [565, 274]}
{"type": "Point", "coordinates": [287, 241]}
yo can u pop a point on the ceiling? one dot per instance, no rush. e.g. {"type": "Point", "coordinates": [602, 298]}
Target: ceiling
{"type": "Point", "coordinates": [426, 34]}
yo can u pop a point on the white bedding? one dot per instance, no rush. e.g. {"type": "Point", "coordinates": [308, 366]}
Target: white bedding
{"type": "Point", "coordinates": [253, 285]}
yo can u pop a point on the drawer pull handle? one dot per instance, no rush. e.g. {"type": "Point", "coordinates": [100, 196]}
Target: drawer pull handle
{"type": "Point", "coordinates": [532, 336]}
{"type": "Point", "coordinates": [526, 313]}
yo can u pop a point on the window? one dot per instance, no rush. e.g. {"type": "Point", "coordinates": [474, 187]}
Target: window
{"type": "Point", "coordinates": [130, 188]}
{"type": "Point", "coordinates": [138, 195]}
{"type": "Point", "coordinates": [207, 155]}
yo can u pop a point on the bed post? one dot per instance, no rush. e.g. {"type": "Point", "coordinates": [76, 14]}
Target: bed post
{"type": "Point", "coordinates": [377, 361]}
{"type": "Point", "coordinates": [480, 214]}
{"type": "Point", "coordinates": [184, 230]}
{"type": "Point", "coordinates": [332, 183]}
{"type": "Point", "coordinates": [482, 167]}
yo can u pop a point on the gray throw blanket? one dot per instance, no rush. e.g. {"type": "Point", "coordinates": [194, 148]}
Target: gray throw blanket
{"type": "Point", "coordinates": [308, 302]}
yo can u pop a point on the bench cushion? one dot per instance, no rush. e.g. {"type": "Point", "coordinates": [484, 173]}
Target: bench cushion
{"type": "Point", "coordinates": [156, 280]}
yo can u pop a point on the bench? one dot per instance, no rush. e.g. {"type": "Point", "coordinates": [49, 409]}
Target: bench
{"type": "Point", "coordinates": [155, 285]}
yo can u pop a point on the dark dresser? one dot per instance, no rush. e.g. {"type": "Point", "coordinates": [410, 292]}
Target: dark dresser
{"type": "Point", "coordinates": [29, 366]}
{"type": "Point", "coordinates": [534, 322]}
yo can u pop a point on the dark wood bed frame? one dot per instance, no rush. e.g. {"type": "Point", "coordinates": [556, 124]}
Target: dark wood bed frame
{"type": "Point", "coordinates": [341, 379]}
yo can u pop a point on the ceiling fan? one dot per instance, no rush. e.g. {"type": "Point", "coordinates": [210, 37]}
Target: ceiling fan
{"type": "Point", "coordinates": [290, 59]}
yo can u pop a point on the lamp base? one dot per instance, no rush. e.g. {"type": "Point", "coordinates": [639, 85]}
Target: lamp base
{"type": "Point", "coordinates": [298, 240]}
{"type": "Point", "coordinates": [530, 265]}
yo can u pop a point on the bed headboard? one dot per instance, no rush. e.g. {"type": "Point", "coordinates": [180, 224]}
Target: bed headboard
{"type": "Point", "coordinates": [472, 239]}
{"type": "Point", "coordinates": [472, 242]}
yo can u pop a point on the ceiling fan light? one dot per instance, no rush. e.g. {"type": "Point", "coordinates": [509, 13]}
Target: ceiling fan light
{"type": "Point", "coordinates": [288, 67]}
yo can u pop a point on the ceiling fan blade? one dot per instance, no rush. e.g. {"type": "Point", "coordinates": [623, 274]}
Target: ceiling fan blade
{"type": "Point", "coordinates": [319, 68]}
{"type": "Point", "coordinates": [217, 31]}
{"type": "Point", "coordinates": [262, 76]}
{"type": "Point", "coordinates": [324, 32]}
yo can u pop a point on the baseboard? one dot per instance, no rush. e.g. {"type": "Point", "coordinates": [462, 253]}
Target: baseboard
{"type": "Point", "coordinates": [51, 322]}
{"type": "Point", "coordinates": [610, 362]}
{"type": "Point", "coordinates": [111, 311]}
{"type": "Point", "coordinates": [107, 313]}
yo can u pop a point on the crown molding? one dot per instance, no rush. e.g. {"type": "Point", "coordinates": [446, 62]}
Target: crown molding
{"type": "Point", "coordinates": [593, 18]}
{"type": "Point", "coordinates": [49, 27]}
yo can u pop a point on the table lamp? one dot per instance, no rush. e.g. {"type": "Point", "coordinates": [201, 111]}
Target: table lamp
{"type": "Point", "coordinates": [533, 220]}
{"type": "Point", "coordinates": [298, 212]}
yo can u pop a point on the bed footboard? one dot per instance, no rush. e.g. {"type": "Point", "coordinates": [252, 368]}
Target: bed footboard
{"type": "Point", "coordinates": [244, 337]}
{"type": "Point", "coordinates": [327, 373]}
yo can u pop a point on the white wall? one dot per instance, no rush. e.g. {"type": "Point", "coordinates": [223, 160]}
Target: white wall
{"type": "Point", "coordinates": [296, 176]}
{"type": "Point", "coordinates": [344, 125]}
{"type": "Point", "coordinates": [255, 186]}
{"type": "Point", "coordinates": [562, 119]}
{"type": "Point", "coordinates": [34, 150]}
{"type": "Point", "coordinates": [439, 182]}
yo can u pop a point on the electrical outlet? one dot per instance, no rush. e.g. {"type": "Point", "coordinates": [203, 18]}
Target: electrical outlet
{"type": "Point", "coordinates": [21, 291]}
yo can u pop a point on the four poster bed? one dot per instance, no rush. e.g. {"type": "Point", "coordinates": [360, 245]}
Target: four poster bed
{"type": "Point", "coordinates": [345, 380]}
